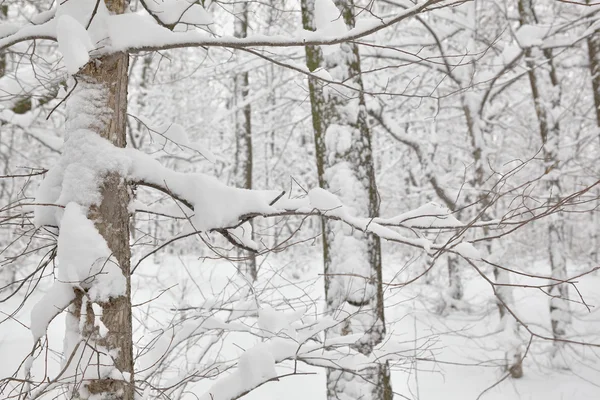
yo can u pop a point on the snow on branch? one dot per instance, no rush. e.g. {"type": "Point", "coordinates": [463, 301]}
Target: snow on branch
{"type": "Point", "coordinates": [216, 206]}
{"type": "Point", "coordinates": [294, 336]}
{"type": "Point", "coordinates": [150, 30]}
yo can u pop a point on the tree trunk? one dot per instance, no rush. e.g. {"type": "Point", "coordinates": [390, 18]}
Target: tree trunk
{"type": "Point", "coordinates": [545, 90]}
{"type": "Point", "coordinates": [108, 75]}
{"type": "Point", "coordinates": [345, 167]}
{"type": "Point", "coordinates": [3, 16]}
{"type": "Point", "coordinates": [243, 127]}
{"type": "Point", "coordinates": [593, 45]}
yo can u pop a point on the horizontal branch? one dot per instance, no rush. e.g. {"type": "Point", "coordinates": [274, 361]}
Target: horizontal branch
{"type": "Point", "coordinates": [133, 32]}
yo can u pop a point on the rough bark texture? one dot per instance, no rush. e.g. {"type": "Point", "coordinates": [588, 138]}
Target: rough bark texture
{"type": "Point", "coordinates": [504, 297]}
{"type": "Point", "coordinates": [593, 44]}
{"type": "Point", "coordinates": [111, 218]}
{"type": "Point", "coordinates": [343, 146]}
{"type": "Point", "coordinates": [545, 90]}
{"type": "Point", "coordinates": [243, 128]}
{"type": "Point", "coordinates": [3, 15]}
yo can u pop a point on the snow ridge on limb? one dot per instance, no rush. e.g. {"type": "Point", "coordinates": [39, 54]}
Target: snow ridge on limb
{"type": "Point", "coordinates": [216, 205]}
{"type": "Point", "coordinates": [295, 341]}
{"type": "Point", "coordinates": [141, 31]}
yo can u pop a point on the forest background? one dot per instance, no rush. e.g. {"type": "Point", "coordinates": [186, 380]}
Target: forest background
{"type": "Point", "coordinates": [464, 134]}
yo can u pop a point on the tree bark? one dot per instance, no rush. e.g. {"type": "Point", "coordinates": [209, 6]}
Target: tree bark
{"type": "Point", "coordinates": [3, 16]}
{"type": "Point", "coordinates": [545, 90]}
{"type": "Point", "coordinates": [343, 152]}
{"type": "Point", "coordinates": [109, 74]}
{"type": "Point", "coordinates": [593, 45]}
{"type": "Point", "coordinates": [243, 128]}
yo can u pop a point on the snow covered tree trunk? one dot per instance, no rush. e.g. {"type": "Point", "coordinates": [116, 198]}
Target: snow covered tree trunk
{"type": "Point", "coordinates": [510, 335]}
{"type": "Point", "coordinates": [3, 16]}
{"type": "Point", "coordinates": [593, 45]}
{"type": "Point", "coordinates": [106, 77]}
{"type": "Point", "coordinates": [545, 90]}
{"type": "Point", "coordinates": [345, 167]}
{"type": "Point", "coordinates": [243, 126]}
{"type": "Point", "coordinates": [455, 288]}
{"type": "Point", "coordinates": [478, 131]}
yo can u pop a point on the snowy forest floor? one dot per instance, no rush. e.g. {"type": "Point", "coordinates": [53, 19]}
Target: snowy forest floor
{"type": "Point", "coordinates": [459, 351]}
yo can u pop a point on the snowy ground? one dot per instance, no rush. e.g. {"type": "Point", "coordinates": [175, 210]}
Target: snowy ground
{"type": "Point", "coordinates": [460, 354]}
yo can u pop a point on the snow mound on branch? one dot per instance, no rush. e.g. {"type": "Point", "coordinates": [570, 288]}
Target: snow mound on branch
{"type": "Point", "coordinates": [85, 256]}
{"type": "Point", "coordinates": [531, 35]}
{"type": "Point", "coordinates": [84, 262]}
{"type": "Point", "coordinates": [322, 73]}
{"type": "Point", "coordinates": [329, 19]}
{"type": "Point", "coordinates": [467, 250]}
{"type": "Point", "coordinates": [429, 215]}
{"type": "Point", "coordinates": [243, 235]}
{"type": "Point", "coordinates": [275, 323]}
{"type": "Point", "coordinates": [7, 29]}
{"type": "Point", "coordinates": [244, 306]}
{"type": "Point", "coordinates": [73, 42]}
{"type": "Point", "coordinates": [322, 200]}
{"type": "Point", "coordinates": [256, 365]}
{"type": "Point", "coordinates": [58, 298]}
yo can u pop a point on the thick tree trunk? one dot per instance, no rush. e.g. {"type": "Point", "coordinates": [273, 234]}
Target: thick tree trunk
{"type": "Point", "coordinates": [243, 127]}
{"type": "Point", "coordinates": [108, 76]}
{"type": "Point", "coordinates": [545, 90]}
{"type": "Point", "coordinates": [593, 45]}
{"type": "Point", "coordinates": [345, 167]}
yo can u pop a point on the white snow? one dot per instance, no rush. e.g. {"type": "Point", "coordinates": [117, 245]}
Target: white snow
{"type": "Point", "coordinates": [49, 306]}
{"type": "Point", "coordinates": [429, 215]}
{"type": "Point", "coordinates": [322, 200]}
{"type": "Point", "coordinates": [467, 250]}
{"type": "Point", "coordinates": [85, 257]}
{"type": "Point", "coordinates": [256, 365]}
{"type": "Point", "coordinates": [73, 42]}
{"type": "Point", "coordinates": [531, 35]}
{"type": "Point", "coordinates": [328, 19]}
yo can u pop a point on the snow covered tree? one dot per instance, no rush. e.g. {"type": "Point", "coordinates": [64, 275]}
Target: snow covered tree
{"type": "Point", "coordinates": [243, 165]}
{"type": "Point", "coordinates": [444, 82]}
{"type": "Point", "coordinates": [345, 167]}
{"type": "Point", "coordinates": [546, 93]}
{"type": "Point", "coordinates": [87, 195]}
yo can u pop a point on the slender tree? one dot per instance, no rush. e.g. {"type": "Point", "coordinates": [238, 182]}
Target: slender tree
{"type": "Point", "coordinates": [243, 125]}
{"type": "Point", "coordinates": [345, 167]}
{"type": "Point", "coordinates": [593, 46]}
{"type": "Point", "coordinates": [3, 16]}
{"type": "Point", "coordinates": [545, 92]}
